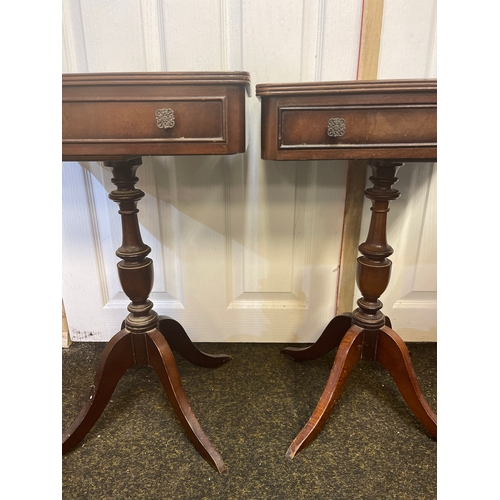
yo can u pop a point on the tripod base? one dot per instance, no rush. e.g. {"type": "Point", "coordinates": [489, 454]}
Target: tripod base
{"type": "Point", "coordinates": [126, 350]}
{"type": "Point", "coordinates": [383, 345]}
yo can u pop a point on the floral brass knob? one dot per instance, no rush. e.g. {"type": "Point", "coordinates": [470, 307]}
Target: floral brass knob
{"type": "Point", "coordinates": [336, 127]}
{"type": "Point", "coordinates": [165, 118]}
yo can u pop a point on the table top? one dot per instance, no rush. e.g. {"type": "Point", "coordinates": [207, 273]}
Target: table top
{"type": "Point", "coordinates": [379, 119]}
{"type": "Point", "coordinates": [346, 87]}
{"type": "Point", "coordinates": [113, 116]}
{"type": "Point", "coordinates": [159, 78]}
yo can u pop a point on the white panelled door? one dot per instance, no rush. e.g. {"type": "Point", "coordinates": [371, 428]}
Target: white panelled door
{"type": "Point", "coordinates": [240, 254]}
{"type": "Point", "coordinates": [244, 250]}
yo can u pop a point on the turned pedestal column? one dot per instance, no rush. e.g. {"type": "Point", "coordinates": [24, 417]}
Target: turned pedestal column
{"type": "Point", "coordinates": [145, 338]}
{"type": "Point", "coordinates": [366, 333]}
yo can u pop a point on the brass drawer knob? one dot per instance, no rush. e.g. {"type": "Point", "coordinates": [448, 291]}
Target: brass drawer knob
{"type": "Point", "coordinates": [336, 127]}
{"type": "Point", "coordinates": [165, 118]}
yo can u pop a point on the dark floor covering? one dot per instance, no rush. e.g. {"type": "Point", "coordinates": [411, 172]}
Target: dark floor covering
{"type": "Point", "coordinates": [372, 446]}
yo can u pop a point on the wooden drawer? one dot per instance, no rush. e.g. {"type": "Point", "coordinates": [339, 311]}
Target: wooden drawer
{"type": "Point", "coordinates": [108, 116]}
{"type": "Point", "coordinates": [355, 120]}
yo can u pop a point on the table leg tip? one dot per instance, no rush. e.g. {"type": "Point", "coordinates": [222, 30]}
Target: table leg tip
{"type": "Point", "coordinates": [218, 465]}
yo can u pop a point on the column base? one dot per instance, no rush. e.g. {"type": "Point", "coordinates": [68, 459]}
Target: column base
{"type": "Point", "coordinates": [383, 345]}
{"type": "Point", "coordinates": [126, 350]}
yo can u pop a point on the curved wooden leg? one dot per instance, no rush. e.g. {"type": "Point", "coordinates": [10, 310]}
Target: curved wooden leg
{"type": "Point", "coordinates": [116, 359]}
{"type": "Point", "coordinates": [393, 354]}
{"type": "Point", "coordinates": [162, 360]}
{"type": "Point", "coordinates": [347, 357]}
{"type": "Point", "coordinates": [179, 341]}
{"type": "Point", "coordinates": [328, 340]}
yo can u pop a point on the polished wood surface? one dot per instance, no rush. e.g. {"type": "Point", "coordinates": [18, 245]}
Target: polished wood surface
{"type": "Point", "coordinates": [112, 115]}
{"type": "Point", "coordinates": [112, 118]}
{"type": "Point", "coordinates": [385, 122]}
{"type": "Point", "coordinates": [392, 119]}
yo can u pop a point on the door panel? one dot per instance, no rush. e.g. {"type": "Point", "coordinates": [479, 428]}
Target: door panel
{"type": "Point", "coordinates": [224, 267]}
{"type": "Point", "coordinates": [243, 249]}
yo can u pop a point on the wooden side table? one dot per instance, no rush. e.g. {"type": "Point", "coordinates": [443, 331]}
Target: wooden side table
{"type": "Point", "coordinates": [118, 118]}
{"type": "Point", "coordinates": [385, 122]}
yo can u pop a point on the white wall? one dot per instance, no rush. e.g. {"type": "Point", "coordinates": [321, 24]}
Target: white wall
{"type": "Point", "coordinates": [244, 249]}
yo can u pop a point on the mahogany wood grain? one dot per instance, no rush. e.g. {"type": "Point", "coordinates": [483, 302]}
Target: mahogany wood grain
{"type": "Point", "coordinates": [163, 362]}
{"type": "Point", "coordinates": [393, 354]}
{"type": "Point", "coordinates": [386, 119]}
{"type": "Point", "coordinates": [348, 355]}
{"type": "Point", "coordinates": [179, 341]}
{"type": "Point", "coordinates": [140, 342]}
{"type": "Point", "coordinates": [125, 350]}
{"type": "Point", "coordinates": [330, 339]}
{"type": "Point", "coordinates": [111, 117]}
{"type": "Point", "coordinates": [386, 122]}
{"type": "Point", "coordinates": [116, 359]}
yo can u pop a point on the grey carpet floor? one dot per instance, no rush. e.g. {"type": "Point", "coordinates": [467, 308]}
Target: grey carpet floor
{"type": "Point", "coordinates": [372, 446]}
